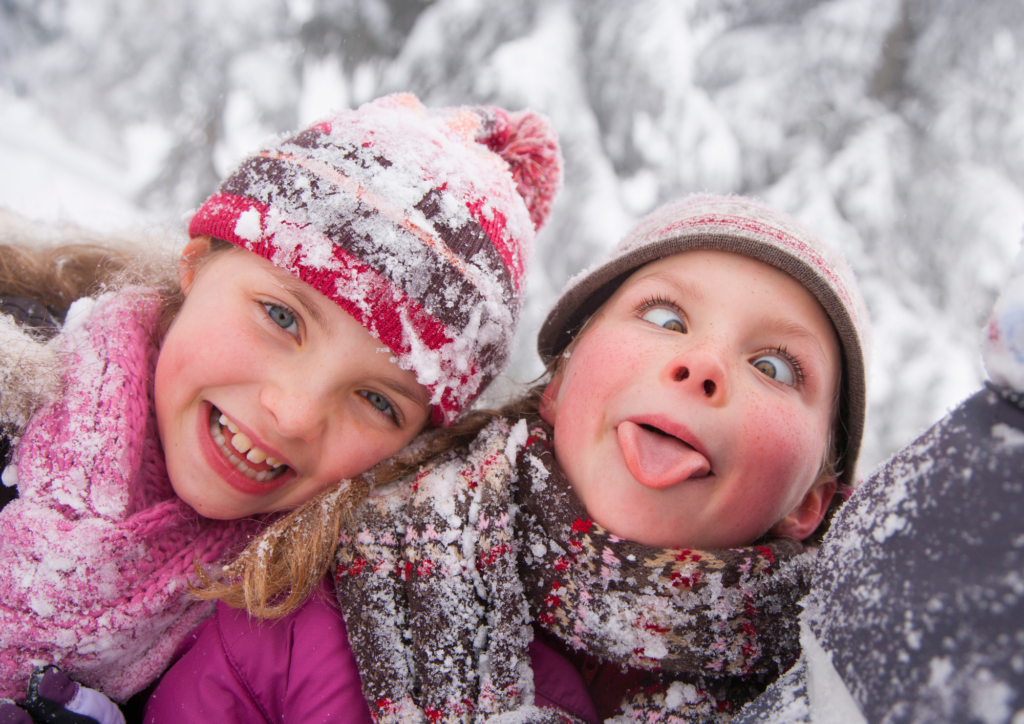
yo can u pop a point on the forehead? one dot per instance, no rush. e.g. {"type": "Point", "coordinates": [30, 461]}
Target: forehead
{"type": "Point", "coordinates": [715, 278]}
{"type": "Point", "coordinates": [701, 273]}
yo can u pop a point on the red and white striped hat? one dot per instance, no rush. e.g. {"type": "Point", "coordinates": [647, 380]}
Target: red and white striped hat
{"type": "Point", "coordinates": [748, 227]}
{"type": "Point", "coordinates": [417, 222]}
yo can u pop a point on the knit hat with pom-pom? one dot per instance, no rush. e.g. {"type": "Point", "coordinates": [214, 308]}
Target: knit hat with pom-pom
{"type": "Point", "coordinates": [417, 222]}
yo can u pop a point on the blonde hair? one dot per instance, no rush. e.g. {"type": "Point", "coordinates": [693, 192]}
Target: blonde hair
{"type": "Point", "coordinates": [57, 276]}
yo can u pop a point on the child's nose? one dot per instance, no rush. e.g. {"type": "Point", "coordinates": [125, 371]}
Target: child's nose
{"type": "Point", "coordinates": [297, 414]}
{"type": "Point", "coordinates": [702, 372]}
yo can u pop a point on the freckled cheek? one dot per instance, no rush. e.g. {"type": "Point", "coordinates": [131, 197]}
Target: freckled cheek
{"type": "Point", "coordinates": [782, 446]}
{"type": "Point", "coordinates": [604, 365]}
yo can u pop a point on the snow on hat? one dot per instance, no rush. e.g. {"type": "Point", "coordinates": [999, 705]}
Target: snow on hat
{"type": "Point", "coordinates": [417, 222]}
{"type": "Point", "coordinates": [742, 226]}
{"type": "Point", "coordinates": [1002, 345]}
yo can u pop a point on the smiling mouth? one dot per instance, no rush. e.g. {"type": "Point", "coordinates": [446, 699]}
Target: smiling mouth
{"type": "Point", "coordinates": [237, 448]}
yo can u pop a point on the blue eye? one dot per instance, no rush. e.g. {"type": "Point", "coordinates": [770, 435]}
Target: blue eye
{"type": "Point", "coordinates": [380, 402]}
{"type": "Point", "coordinates": [282, 317]}
{"type": "Point", "coordinates": [665, 318]}
{"type": "Point", "coordinates": [776, 367]}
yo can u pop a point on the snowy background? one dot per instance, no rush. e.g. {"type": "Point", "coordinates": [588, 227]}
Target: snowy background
{"type": "Point", "coordinates": [894, 128]}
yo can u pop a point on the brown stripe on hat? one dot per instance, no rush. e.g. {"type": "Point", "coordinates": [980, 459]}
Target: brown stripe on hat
{"type": "Point", "coordinates": [466, 242]}
{"type": "Point", "coordinates": [470, 242]}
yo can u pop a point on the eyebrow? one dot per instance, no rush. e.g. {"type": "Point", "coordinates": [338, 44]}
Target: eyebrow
{"type": "Point", "coordinates": [300, 290]}
{"type": "Point", "coordinates": [686, 288]}
{"type": "Point", "coordinates": [405, 391]}
{"type": "Point", "coordinates": [790, 329]}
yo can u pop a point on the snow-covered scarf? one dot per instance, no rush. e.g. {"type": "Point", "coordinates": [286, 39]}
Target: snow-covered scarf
{"type": "Point", "coordinates": [96, 550]}
{"type": "Point", "coordinates": [441, 580]}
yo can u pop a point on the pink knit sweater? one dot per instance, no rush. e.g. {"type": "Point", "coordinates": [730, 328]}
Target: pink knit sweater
{"type": "Point", "coordinates": [96, 551]}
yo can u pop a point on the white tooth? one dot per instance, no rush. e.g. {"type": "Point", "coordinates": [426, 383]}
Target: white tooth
{"type": "Point", "coordinates": [225, 421]}
{"type": "Point", "coordinates": [241, 442]}
{"type": "Point", "coordinates": [256, 456]}
{"type": "Point", "coordinates": [273, 462]}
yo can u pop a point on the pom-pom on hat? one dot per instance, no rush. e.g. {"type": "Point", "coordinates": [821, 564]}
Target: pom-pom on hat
{"type": "Point", "coordinates": [417, 222]}
{"type": "Point", "coordinates": [742, 226]}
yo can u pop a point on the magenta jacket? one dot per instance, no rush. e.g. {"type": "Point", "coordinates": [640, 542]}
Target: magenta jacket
{"type": "Point", "coordinates": [301, 669]}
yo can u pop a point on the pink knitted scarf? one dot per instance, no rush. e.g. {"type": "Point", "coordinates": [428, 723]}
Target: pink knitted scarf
{"type": "Point", "coordinates": [96, 551]}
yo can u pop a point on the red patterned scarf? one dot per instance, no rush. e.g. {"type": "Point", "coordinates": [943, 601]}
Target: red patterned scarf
{"type": "Point", "coordinates": [441, 579]}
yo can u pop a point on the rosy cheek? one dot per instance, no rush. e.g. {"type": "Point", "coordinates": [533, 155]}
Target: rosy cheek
{"type": "Point", "coordinates": [783, 446]}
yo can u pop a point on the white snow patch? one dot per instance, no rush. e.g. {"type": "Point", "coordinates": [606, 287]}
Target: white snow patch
{"type": "Point", "coordinates": [892, 524]}
{"type": "Point", "coordinates": [248, 225]}
{"type": "Point", "coordinates": [990, 698]}
{"type": "Point", "coordinates": [78, 312]}
{"type": "Point", "coordinates": [830, 701]}
{"type": "Point", "coordinates": [941, 670]}
{"type": "Point", "coordinates": [1008, 436]}
{"type": "Point", "coordinates": [517, 437]}
{"type": "Point", "coordinates": [679, 693]}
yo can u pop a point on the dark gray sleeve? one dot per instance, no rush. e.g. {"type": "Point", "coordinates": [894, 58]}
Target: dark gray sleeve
{"type": "Point", "coordinates": [33, 315]}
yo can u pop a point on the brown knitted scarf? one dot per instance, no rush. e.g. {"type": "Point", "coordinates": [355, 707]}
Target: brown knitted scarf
{"type": "Point", "coordinates": [440, 580]}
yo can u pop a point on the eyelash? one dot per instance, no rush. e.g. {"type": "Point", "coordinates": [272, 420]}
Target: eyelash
{"type": "Point", "coordinates": [659, 301]}
{"type": "Point", "coordinates": [794, 361]}
{"type": "Point", "coordinates": [395, 416]}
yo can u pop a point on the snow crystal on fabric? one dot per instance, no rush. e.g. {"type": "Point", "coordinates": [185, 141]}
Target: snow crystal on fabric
{"type": "Point", "coordinates": [1008, 436]}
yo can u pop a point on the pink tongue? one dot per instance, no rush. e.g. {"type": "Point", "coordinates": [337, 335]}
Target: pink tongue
{"type": "Point", "coordinates": [659, 461]}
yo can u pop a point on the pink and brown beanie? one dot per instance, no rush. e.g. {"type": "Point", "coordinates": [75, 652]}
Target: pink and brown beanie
{"type": "Point", "coordinates": [417, 222]}
{"type": "Point", "coordinates": [742, 226]}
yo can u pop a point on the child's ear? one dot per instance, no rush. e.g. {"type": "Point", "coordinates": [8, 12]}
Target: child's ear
{"type": "Point", "coordinates": [194, 250]}
{"type": "Point", "coordinates": [805, 518]}
{"type": "Point", "coordinates": [549, 400]}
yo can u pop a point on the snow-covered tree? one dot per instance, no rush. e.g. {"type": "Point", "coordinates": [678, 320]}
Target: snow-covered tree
{"type": "Point", "coordinates": [891, 127]}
